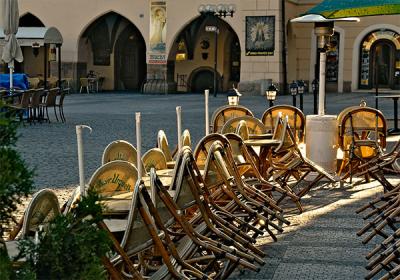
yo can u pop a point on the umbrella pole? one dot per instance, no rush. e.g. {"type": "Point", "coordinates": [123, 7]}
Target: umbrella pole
{"type": "Point", "coordinates": [179, 127]}
{"type": "Point", "coordinates": [139, 145]}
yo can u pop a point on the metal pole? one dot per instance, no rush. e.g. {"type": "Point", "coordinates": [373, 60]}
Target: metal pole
{"type": "Point", "coordinates": [59, 65]}
{"type": "Point", "coordinates": [45, 66]}
{"type": "Point", "coordinates": [179, 126]}
{"type": "Point", "coordinates": [139, 146]}
{"type": "Point", "coordinates": [271, 103]}
{"type": "Point", "coordinates": [215, 57]}
{"type": "Point", "coordinates": [206, 93]}
{"type": "Point", "coordinates": [322, 74]}
{"type": "Point", "coordinates": [301, 101]}
{"type": "Point", "coordinates": [316, 75]}
{"type": "Point", "coordinates": [376, 79]}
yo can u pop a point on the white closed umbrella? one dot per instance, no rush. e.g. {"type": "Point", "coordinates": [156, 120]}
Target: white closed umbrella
{"type": "Point", "coordinates": [11, 50]}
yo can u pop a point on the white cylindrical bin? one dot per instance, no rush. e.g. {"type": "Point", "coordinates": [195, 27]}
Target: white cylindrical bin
{"type": "Point", "coordinates": [322, 141]}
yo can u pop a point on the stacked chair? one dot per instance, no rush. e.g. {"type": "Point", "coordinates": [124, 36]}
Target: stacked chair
{"type": "Point", "coordinates": [197, 215]}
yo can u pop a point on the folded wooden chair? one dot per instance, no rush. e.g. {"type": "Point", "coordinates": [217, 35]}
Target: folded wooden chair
{"type": "Point", "coordinates": [189, 186]}
{"type": "Point", "coordinates": [296, 119]}
{"type": "Point", "coordinates": [225, 113]}
{"type": "Point", "coordinates": [254, 125]}
{"type": "Point", "coordinates": [41, 210]}
{"type": "Point", "coordinates": [121, 150]}
{"type": "Point", "coordinates": [227, 257]}
{"type": "Point", "coordinates": [186, 141]}
{"type": "Point", "coordinates": [245, 162]}
{"type": "Point", "coordinates": [227, 188]}
{"type": "Point", "coordinates": [292, 165]}
{"type": "Point", "coordinates": [162, 143]}
{"type": "Point", "coordinates": [154, 158]}
{"type": "Point", "coordinates": [381, 166]}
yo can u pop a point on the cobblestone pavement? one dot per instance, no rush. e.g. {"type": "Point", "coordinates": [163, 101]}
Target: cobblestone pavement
{"type": "Point", "coordinates": [321, 243]}
{"type": "Point", "coordinates": [51, 148]}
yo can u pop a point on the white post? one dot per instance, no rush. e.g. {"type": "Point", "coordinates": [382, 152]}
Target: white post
{"type": "Point", "coordinates": [81, 161]}
{"type": "Point", "coordinates": [322, 74]}
{"type": "Point", "coordinates": [139, 146]}
{"type": "Point", "coordinates": [179, 126]}
{"type": "Point", "coordinates": [206, 94]}
{"type": "Point", "coordinates": [11, 67]}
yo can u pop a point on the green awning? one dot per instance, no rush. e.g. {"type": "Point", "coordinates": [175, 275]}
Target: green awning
{"type": "Point", "coordinates": [333, 9]}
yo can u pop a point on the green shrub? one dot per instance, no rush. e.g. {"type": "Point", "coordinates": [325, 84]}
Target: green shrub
{"type": "Point", "coordinates": [72, 246]}
{"type": "Point", "coordinates": [15, 177]}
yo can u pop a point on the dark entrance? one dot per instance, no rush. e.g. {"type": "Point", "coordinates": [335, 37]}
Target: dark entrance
{"type": "Point", "coordinates": [203, 79]}
{"type": "Point", "coordinates": [383, 52]}
{"type": "Point", "coordinates": [130, 60]}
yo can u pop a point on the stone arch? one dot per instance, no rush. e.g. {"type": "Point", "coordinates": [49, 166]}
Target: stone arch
{"type": "Point", "coordinates": [30, 20]}
{"type": "Point", "coordinates": [199, 52]}
{"type": "Point", "coordinates": [356, 50]}
{"type": "Point", "coordinates": [206, 74]}
{"type": "Point", "coordinates": [101, 45]}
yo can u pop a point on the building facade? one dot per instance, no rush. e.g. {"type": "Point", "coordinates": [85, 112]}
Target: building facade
{"type": "Point", "coordinates": [161, 46]}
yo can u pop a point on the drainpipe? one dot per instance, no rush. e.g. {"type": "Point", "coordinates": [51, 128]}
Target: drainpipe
{"type": "Point", "coordinates": [283, 27]}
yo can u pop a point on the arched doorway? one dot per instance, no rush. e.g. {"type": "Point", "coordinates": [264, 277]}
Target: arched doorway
{"type": "Point", "coordinates": [113, 48]}
{"type": "Point", "coordinates": [383, 57]}
{"type": "Point", "coordinates": [380, 60]}
{"type": "Point", "coordinates": [130, 60]}
{"type": "Point", "coordinates": [192, 56]}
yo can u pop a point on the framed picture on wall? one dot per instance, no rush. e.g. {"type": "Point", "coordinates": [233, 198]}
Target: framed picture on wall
{"type": "Point", "coordinates": [260, 35]}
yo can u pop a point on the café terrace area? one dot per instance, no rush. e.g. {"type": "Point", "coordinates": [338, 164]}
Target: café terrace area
{"type": "Point", "coordinates": [316, 239]}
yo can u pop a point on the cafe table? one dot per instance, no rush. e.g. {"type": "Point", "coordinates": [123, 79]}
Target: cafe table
{"type": "Point", "coordinates": [395, 98]}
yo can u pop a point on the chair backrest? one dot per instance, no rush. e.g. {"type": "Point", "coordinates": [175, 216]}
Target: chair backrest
{"type": "Point", "coordinates": [162, 143]}
{"type": "Point", "coordinates": [25, 99]}
{"type": "Point", "coordinates": [84, 82]}
{"type": "Point", "coordinates": [180, 184]}
{"type": "Point", "coordinates": [242, 130]}
{"type": "Point", "coordinates": [41, 210]}
{"type": "Point", "coordinates": [363, 123]}
{"type": "Point", "coordinates": [281, 133]}
{"type": "Point", "coordinates": [36, 97]}
{"type": "Point", "coordinates": [186, 141]}
{"type": "Point", "coordinates": [225, 113]}
{"type": "Point", "coordinates": [202, 149]}
{"type": "Point", "coordinates": [113, 178]}
{"type": "Point", "coordinates": [296, 118]}
{"type": "Point", "coordinates": [33, 82]}
{"type": "Point", "coordinates": [254, 125]}
{"type": "Point", "coordinates": [154, 158]}
{"type": "Point", "coordinates": [121, 150]}
{"type": "Point", "coordinates": [51, 97]}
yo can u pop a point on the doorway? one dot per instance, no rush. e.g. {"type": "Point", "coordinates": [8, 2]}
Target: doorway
{"type": "Point", "coordinates": [383, 55]}
{"type": "Point", "coordinates": [130, 60]}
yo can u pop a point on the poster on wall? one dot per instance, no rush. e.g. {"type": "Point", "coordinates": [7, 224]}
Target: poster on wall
{"type": "Point", "coordinates": [158, 32]}
{"type": "Point", "coordinates": [260, 35]}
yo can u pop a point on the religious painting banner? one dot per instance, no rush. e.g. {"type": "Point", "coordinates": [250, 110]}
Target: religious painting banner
{"type": "Point", "coordinates": [260, 35]}
{"type": "Point", "coordinates": [158, 32]}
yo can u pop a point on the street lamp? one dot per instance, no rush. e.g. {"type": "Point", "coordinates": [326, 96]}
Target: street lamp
{"type": "Point", "coordinates": [271, 94]}
{"type": "Point", "coordinates": [216, 11]}
{"type": "Point", "coordinates": [300, 89]}
{"type": "Point", "coordinates": [233, 97]}
{"type": "Point", "coordinates": [293, 91]}
{"type": "Point", "coordinates": [315, 86]}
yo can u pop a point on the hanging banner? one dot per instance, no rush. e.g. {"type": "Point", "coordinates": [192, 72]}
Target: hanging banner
{"type": "Point", "coordinates": [158, 33]}
{"type": "Point", "coordinates": [260, 35]}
